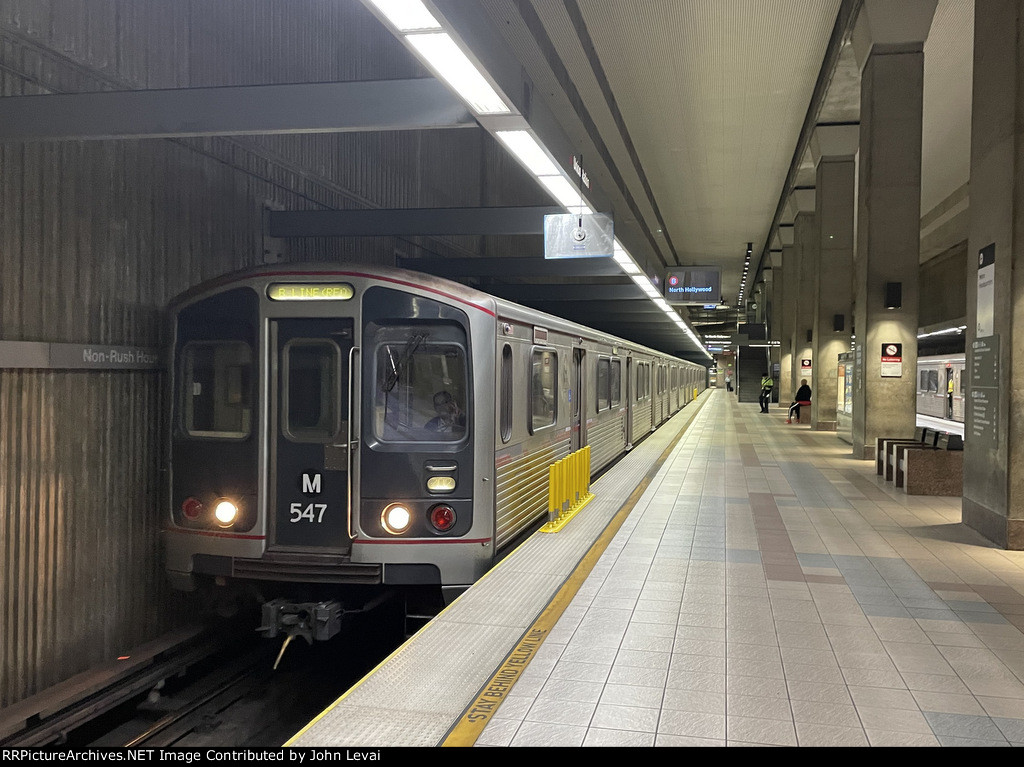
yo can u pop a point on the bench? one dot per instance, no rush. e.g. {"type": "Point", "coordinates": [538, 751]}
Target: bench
{"type": "Point", "coordinates": [883, 447]}
{"type": "Point", "coordinates": [899, 460]}
{"type": "Point", "coordinates": [889, 449]}
{"type": "Point", "coordinates": [936, 470]}
{"type": "Point", "coordinates": [805, 412]}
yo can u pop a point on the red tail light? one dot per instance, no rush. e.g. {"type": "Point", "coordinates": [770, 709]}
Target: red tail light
{"type": "Point", "coordinates": [442, 517]}
{"type": "Point", "coordinates": [192, 508]}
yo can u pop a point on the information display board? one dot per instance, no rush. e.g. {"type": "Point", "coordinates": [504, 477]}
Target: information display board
{"type": "Point", "coordinates": [982, 412]}
{"type": "Point", "coordinates": [694, 285]}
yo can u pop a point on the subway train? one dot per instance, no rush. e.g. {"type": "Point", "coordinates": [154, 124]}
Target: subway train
{"type": "Point", "coordinates": [340, 434]}
{"type": "Point", "coordinates": [934, 374]}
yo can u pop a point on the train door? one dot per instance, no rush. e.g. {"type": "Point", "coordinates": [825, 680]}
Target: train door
{"type": "Point", "coordinates": [578, 409]}
{"type": "Point", "coordinates": [659, 407]}
{"type": "Point", "coordinates": [308, 434]}
{"type": "Point", "coordinates": [630, 402]}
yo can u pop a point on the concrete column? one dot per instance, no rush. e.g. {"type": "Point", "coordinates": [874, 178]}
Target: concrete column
{"type": "Point", "coordinates": [834, 148]}
{"type": "Point", "coordinates": [993, 485]}
{"type": "Point", "coordinates": [775, 278]}
{"type": "Point", "coordinates": [788, 315]}
{"type": "Point", "coordinates": [889, 42]}
{"type": "Point", "coordinates": [805, 248]}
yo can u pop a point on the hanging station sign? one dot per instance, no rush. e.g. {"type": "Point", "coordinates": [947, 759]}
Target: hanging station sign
{"type": "Point", "coordinates": [569, 235]}
{"type": "Point", "coordinates": [694, 285]}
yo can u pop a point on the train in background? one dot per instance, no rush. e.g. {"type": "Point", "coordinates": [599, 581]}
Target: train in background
{"type": "Point", "coordinates": [934, 376]}
{"type": "Point", "coordinates": [340, 434]}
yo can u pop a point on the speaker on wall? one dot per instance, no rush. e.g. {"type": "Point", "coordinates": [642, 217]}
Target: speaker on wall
{"type": "Point", "coordinates": [893, 295]}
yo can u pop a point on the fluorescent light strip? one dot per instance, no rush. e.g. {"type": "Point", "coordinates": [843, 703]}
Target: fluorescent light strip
{"type": "Point", "coordinates": [530, 153]}
{"type": "Point", "coordinates": [453, 66]}
{"type": "Point", "coordinates": [627, 264]}
{"type": "Point", "coordinates": [562, 190]}
{"type": "Point", "coordinates": [943, 332]}
{"type": "Point", "coordinates": [407, 15]}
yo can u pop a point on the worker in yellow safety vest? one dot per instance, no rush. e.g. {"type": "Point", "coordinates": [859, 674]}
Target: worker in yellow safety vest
{"type": "Point", "coordinates": [767, 384]}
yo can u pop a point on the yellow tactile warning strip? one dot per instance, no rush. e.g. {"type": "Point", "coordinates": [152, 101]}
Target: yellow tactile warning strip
{"type": "Point", "coordinates": [468, 728]}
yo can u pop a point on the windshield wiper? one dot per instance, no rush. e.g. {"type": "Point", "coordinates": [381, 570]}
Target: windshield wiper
{"type": "Point", "coordinates": [397, 368]}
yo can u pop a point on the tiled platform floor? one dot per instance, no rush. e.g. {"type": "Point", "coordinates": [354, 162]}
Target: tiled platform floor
{"type": "Point", "coordinates": [771, 590]}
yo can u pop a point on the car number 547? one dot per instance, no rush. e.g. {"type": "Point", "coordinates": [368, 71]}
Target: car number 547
{"type": "Point", "coordinates": [312, 512]}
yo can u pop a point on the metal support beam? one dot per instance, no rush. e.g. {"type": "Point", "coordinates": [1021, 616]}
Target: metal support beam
{"type": "Point", "coordinates": [372, 105]}
{"type": "Point", "coordinates": [459, 268]}
{"type": "Point", "coordinates": [409, 222]}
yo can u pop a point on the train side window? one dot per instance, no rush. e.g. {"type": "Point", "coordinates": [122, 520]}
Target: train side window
{"type": "Point", "coordinates": [603, 380]}
{"type": "Point", "coordinates": [643, 380]}
{"type": "Point", "coordinates": [506, 393]}
{"type": "Point", "coordinates": [615, 382]}
{"type": "Point", "coordinates": [216, 381]}
{"type": "Point", "coordinates": [421, 389]}
{"type": "Point", "coordinates": [312, 388]}
{"type": "Point", "coordinates": [543, 388]}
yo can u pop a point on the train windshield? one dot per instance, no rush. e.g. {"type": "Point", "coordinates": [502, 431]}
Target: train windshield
{"type": "Point", "coordinates": [421, 390]}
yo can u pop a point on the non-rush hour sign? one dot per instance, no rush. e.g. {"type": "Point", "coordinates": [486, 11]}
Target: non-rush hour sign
{"type": "Point", "coordinates": [892, 361]}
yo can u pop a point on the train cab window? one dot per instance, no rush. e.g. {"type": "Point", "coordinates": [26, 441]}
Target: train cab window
{"type": "Point", "coordinates": [603, 382]}
{"type": "Point", "coordinates": [615, 382]}
{"type": "Point", "coordinates": [505, 403]}
{"type": "Point", "coordinates": [217, 389]}
{"type": "Point", "coordinates": [312, 386]}
{"type": "Point", "coordinates": [421, 391]}
{"type": "Point", "coordinates": [543, 389]}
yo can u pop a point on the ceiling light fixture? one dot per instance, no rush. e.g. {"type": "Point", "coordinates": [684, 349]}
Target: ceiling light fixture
{"type": "Point", "coordinates": [407, 15]}
{"type": "Point", "coordinates": [427, 35]}
{"type": "Point", "coordinates": [453, 66]}
{"type": "Point", "coordinates": [563, 190]}
{"type": "Point", "coordinates": [529, 152]}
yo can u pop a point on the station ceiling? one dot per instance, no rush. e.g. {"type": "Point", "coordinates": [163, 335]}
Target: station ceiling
{"type": "Point", "coordinates": [692, 120]}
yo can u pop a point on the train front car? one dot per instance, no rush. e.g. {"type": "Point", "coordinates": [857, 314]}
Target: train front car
{"type": "Point", "coordinates": [330, 440]}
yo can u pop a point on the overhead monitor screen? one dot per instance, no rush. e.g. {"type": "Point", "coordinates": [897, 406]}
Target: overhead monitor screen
{"type": "Point", "coordinates": [698, 285]}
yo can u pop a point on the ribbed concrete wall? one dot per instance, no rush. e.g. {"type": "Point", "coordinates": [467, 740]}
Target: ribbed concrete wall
{"type": "Point", "coordinates": [95, 237]}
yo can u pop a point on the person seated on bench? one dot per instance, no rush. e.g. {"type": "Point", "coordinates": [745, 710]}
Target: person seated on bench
{"type": "Point", "coordinates": [803, 397]}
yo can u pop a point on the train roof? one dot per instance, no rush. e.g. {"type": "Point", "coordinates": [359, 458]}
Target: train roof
{"type": "Point", "coordinates": [498, 307]}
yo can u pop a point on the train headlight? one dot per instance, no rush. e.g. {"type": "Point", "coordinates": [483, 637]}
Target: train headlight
{"type": "Point", "coordinates": [396, 518]}
{"type": "Point", "coordinates": [442, 517]}
{"type": "Point", "coordinates": [225, 512]}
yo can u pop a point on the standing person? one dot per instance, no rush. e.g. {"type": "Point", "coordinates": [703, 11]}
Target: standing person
{"type": "Point", "coordinates": [767, 384]}
{"type": "Point", "coordinates": [728, 381]}
{"type": "Point", "coordinates": [949, 396]}
{"type": "Point", "coordinates": [803, 397]}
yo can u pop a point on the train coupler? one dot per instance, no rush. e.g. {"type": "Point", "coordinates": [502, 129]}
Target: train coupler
{"type": "Point", "coordinates": [313, 621]}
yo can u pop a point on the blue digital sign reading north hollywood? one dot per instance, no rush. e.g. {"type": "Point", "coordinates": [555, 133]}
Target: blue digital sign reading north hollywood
{"type": "Point", "coordinates": [694, 285]}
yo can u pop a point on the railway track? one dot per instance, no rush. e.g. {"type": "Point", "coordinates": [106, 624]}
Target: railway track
{"type": "Point", "coordinates": [199, 688]}
{"type": "Point", "coordinates": [60, 714]}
